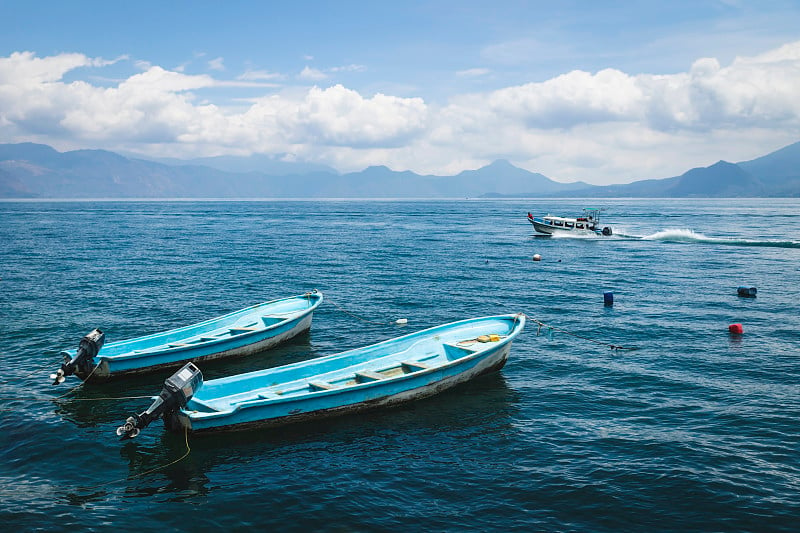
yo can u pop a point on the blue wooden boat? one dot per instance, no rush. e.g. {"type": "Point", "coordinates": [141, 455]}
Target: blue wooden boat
{"type": "Point", "coordinates": [244, 332]}
{"type": "Point", "coordinates": [397, 370]}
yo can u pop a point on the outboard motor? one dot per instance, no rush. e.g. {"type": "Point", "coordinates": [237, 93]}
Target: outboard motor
{"type": "Point", "coordinates": [607, 231]}
{"type": "Point", "coordinates": [88, 348]}
{"type": "Point", "coordinates": [178, 390]}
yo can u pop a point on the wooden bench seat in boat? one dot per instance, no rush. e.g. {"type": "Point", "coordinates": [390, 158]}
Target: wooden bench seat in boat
{"type": "Point", "coordinates": [365, 376]}
{"type": "Point", "coordinates": [414, 366]}
{"type": "Point", "coordinates": [320, 385]}
{"type": "Point", "coordinates": [241, 330]}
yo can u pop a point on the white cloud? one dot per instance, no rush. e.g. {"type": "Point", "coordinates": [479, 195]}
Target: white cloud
{"type": "Point", "coordinates": [311, 74]}
{"type": "Point", "coordinates": [25, 68]}
{"type": "Point", "coordinates": [607, 126]}
{"type": "Point", "coordinates": [216, 64]}
{"type": "Point", "coordinates": [570, 99]}
{"type": "Point", "coordinates": [348, 68]}
{"type": "Point", "coordinates": [260, 75]}
{"type": "Point", "coordinates": [473, 72]}
{"type": "Point", "coordinates": [337, 116]}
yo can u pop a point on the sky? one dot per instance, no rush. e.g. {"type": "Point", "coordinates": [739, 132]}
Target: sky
{"type": "Point", "coordinates": [598, 91]}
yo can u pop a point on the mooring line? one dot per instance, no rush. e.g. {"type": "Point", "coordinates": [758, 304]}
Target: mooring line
{"type": "Point", "coordinates": [79, 385]}
{"type": "Point", "coordinates": [51, 398]}
{"type": "Point", "coordinates": [541, 324]}
{"type": "Point", "coordinates": [345, 311]}
{"type": "Point", "coordinates": [49, 363]}
{"type": "Point", "coordinates": [178, 460]}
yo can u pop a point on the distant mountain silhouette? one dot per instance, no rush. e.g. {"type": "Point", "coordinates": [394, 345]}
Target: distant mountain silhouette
{"type": "Point", "coordinates": [774, 175]}
{"type": "Point", "coordinates": [720, 179]}
{"type": "Point", "coordinates": [778, 171]}
{"type": "Point", "coordinates": [264, 164]}
{"type": "Point", "coordinates": [29, 170]}
{"type": "Point", "coordinates": [502, 175]}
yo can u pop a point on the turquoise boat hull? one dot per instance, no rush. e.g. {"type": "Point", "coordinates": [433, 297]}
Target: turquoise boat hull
{"type": "Point", "coordinates": [241, 333]}
{"type": "Point", "coordinates": [394, 371]}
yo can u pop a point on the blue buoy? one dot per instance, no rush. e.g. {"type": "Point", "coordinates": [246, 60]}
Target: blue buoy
{"type": "Point", "coordinates": [608, 298]}
{"type": "Point", "coordinates": [747, 292]}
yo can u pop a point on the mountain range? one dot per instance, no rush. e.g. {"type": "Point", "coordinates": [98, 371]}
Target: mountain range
{"type": "Point", "coordinates": [29, 170]}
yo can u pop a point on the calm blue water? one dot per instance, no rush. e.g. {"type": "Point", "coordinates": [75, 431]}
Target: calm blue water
{"type": "Point", "coordinates": [695, 430]}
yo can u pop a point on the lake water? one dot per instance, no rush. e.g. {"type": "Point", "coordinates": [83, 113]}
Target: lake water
{"type": "Point", "coordinates": [695, 430]}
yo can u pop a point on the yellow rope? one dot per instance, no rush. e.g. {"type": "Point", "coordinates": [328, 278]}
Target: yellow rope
{"type": "Point", "coordinates": [179, 459]}
{"type": "Point", "coordinates": [76, 387]}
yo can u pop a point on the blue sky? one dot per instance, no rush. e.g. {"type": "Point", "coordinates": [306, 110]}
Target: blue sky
{"type": "Point", "coordinates": [604, 92]}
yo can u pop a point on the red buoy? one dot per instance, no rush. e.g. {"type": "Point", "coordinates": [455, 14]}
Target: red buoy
{"type": "Point", "coordinates": [736, 329]}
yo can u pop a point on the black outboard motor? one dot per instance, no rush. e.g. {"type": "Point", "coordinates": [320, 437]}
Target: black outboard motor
{"type": "Point", "coordinates": [82, 361]}
{"type": "Point", "coordinates": [178, 390]}
{"type": "Point", "coordinates": [607, 231]}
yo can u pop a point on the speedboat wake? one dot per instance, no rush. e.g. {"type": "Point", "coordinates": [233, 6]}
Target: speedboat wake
{"type": "Point", "coordinates": [690, 236]}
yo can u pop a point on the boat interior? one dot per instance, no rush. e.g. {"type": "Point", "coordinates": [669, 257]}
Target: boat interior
{"type": "Point", "coordinates": [198, 338]}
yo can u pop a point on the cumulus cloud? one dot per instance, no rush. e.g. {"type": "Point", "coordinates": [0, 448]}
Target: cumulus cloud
{"type": "Point", "coordinates": [337, 116]}
{"type": "Point", "coordinates": [755, 91]}
{"type": "Point", "coordinates": [25, 68]}
{"type": "Point", "coordinates": [152, 104]}
{"type": "Point", "coordinates": [570, 99]}
{"type": "Point", "coordinates": [607, 125]}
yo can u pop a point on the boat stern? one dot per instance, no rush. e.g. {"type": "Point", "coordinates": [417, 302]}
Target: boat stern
{"type": "Point", "coordinates": [178, 390]}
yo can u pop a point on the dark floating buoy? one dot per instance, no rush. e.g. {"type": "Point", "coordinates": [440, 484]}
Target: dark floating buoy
{"type": "Point", "coordinates": [735, 329]}
{"type": "Point", "coordinates": [537, 257]}
{"type": "Point", "coordinates": [608, 298]}
{"type": "Point", "coordinates": [747, 292]}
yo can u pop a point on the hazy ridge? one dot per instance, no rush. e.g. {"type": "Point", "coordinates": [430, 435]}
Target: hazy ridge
{"type": "Point", "coordinates": [29, 170]}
